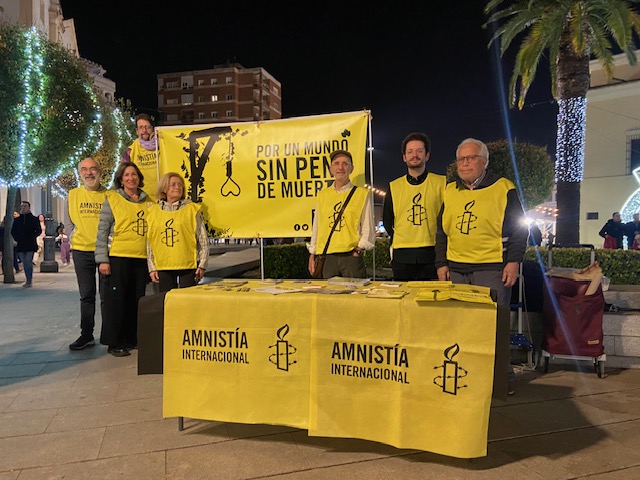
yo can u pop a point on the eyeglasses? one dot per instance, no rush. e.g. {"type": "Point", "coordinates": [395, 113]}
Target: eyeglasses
{"type": "Point", "coordinates": [145, 127]}
{"type": "Point", "coordinates": [469, 158]}
{"type": "Point", "coordinates": [91, 169]}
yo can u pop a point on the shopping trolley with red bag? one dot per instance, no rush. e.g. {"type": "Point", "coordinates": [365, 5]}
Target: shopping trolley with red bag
{"type": "Point", "coordinates": [573, 312]}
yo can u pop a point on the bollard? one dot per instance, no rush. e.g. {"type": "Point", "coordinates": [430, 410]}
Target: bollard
{"type": "Point", "coordinates": [49, 264]}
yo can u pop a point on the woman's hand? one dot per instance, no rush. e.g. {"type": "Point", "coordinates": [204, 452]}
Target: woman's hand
{"type": "Point", "coordinates": [154, 276]}
{"type": "Point", "coordinates": [105, 268]}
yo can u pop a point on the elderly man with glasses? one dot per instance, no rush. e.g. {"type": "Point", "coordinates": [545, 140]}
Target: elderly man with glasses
{"type": "Point", "coordinates": [142, 152]}
{"type": "Point", "coordinates": [481, 238]}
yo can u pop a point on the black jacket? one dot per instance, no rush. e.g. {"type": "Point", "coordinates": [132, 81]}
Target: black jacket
{"type": "Point", "coordinates": [25, 230]}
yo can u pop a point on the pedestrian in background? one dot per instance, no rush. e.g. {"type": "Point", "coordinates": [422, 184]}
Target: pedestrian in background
{"type": "Point", "coordinates": [25, 231]}
{"type": "Point", "coordinates": [613, 232]}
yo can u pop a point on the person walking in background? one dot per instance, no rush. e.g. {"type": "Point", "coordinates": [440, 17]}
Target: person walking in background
{"type": "Point", "coordinates": [65, 247]}
{"type": "Point", "coordinates": [40, 239]}
{"type": "Point", "coordinates": [481, 238]}
{"type": "Point", "coordinates": [354, 232]}
{"type": "Point", "coordinates": [142, 152]}
{"type": "Point", "coordinates": [410, 211]}
{"type": "Point", "coordinates": [25, 231]}
{"type": "Point", "coordinates": [613, 232]}
{"type": "Point", "coordinates": [632, 231]}
{"type": "Point", "coordinates": [84, 205]}
{"type": "Point", "coordinates": [123, 218]}
{"type": "Point", "coordinates": [177, 241]}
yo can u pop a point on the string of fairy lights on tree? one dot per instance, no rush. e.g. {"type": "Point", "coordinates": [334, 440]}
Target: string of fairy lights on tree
{"type": "Point", "coordinates": [30, 110]}
{"type": "Point", "coordinates": [572, 121]}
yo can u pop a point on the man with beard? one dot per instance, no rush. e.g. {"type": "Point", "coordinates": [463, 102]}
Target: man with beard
{"type": "Point", "coordinates": [142, 152]}
{"type": "Point", "coordinates": [85, 203]}
{"type": "Point", "coordinates": [410, 211]}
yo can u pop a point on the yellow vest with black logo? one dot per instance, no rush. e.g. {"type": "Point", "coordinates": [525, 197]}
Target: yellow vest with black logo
{"type": "Point", "coordinates": [130, 227]}
{"type": "Point", "coordinates": [147, 162]}
{"type": "Point", "coordinates": [473, 220]}
{"type": "Point", "coordinates": [84, 212]}
{"type": "Point", "coordinates": [345, 237]}
{"type": "Point", "coordinates": [172, 237]}
{"type": "Point", "coordinates": [415, 211]}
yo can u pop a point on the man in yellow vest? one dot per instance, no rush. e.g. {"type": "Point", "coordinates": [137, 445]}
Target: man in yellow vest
{"type": "Point", "coordinates": [353, 233]}
{"type": "Point", "coordinates": [142, 152]}
{"type": "Point", "coordinates": [481, 237]}
{"type": "Point", "coordinates": [410, 211]}
{"type": "Point", "coordinates": [84, 205]}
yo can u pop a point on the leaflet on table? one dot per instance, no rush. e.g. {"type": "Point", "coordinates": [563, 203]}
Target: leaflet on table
{"type": "Point", "coordinates": [277, 290]}
{"type": "Point", "coordinates": [385, 293]}
{"type": "Point", "coordinates": [429, 283]}
{"type": "Point", "coordinates": [463, 292]}
{"type": "Point", "coordinates": [349, 282]}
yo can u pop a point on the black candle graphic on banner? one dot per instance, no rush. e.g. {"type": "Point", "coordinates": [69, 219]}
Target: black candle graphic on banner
{"type": "Point", "coordinates": [451, 372]}
{"type": "Point", "coordinates": [283, 350]}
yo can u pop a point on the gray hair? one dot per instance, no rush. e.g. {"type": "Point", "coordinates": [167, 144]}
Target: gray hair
{"type": "Point", "coordinates": [484, 151]}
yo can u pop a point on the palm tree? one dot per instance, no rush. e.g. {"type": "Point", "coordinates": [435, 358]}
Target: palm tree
{"type": "Point", "coordinates": [570, 33]}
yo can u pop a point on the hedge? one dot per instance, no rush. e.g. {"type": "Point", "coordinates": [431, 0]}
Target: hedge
{"type": "Point", "coordinates": [622, 267]}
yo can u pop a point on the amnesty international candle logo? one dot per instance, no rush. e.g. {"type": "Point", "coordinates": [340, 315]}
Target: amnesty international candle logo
{"type": "Point", "coordinates": [169, 234]}
{"type": "Point", "coordinates": [467, 219]}
{"type": "Point", "coordinates": [417, 213]}
{"type": "Point", "coordinates": [334, 216]}
{"type": "Point", "coordinates": [140, 226]}
{"type": "Point", "coordinates": [283, 350]}
{"type": "Point", "coordinates": [451, 372]}
{"type": "Point", "coordinates": [378, 362]}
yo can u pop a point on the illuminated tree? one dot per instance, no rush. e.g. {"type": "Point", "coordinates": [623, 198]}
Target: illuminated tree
{"type": "Point", "coordinates": [49, 117]}
{"type": "Point", "coordinates": [569, 33]}
{"type": "Point", "coordinates": [533, 166]}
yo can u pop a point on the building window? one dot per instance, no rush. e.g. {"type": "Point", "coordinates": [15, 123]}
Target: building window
{"type": "Point", "coordinates": [172, 101]}
{"type": "Point", "coordinates": [200, 83]}
{"type": "Point", "coordinates": [200, 115]}
{"type": "Point", "coordinates": [214, 114]}
{"type": "Point", "coordinates": [592, 215]}
{"type": "Point", "coordinates": [229, 96]}
{"type": "Point", "coordinates": [633, 150]}
{"type": "Point", "coordinates": [185, 85]}
{"type": "Point", "coordinates": [275, 90]}
{"type": "Point", "coordinates": [214, 98]}
{"type": "Point", "coordinates": [228, 80]}
{"type": "Point", "coordinates": [214, 81]}
{"type": "Point", "coordinates": [172, 117]}
{"type": "Point", "coordinates": [201, 98]}
{"type": "Point", "coordinates": [229, 113]}
{"type": "Point", "coordinates": [172, 84]}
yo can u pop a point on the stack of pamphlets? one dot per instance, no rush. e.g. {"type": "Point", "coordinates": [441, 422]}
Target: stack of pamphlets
{"type": "Point", "coordinates": [349, 282]}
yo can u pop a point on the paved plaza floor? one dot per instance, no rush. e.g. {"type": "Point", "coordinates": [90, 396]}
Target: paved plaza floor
{"type": "Point", "coordinates": [88, 415]}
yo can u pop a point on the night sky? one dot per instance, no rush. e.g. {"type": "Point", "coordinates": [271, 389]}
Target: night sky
{"type": "Point", "coordinates": [417, 67]}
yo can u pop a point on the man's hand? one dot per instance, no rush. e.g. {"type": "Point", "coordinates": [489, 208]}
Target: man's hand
{"type": "Point", "coordinates": [443, 273]}
{"type": "Point", "coordinates": [199, 274]}
{"type": "Point", "coordinates": [154, 276]}
{"type": "Point", "coordinates": [105, 268]}
{"type": "Point", "coordinates": [510, 274]}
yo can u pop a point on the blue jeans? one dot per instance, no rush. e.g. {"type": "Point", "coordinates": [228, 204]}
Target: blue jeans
{"type": "Point", "coordinates": [27, 263]}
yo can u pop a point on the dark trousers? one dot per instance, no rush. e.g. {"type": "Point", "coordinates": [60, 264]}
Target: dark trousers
{"type": "Point", "coordinates": [176, 278]}
{"type": "Point", "coordinates": [344, 265]}
{"type": "Point", "coordinates": [413, 271]}
{"type": "Point", "coordinates": [84, 264]}
{"type": "Point", "coordinates": [123, 288]}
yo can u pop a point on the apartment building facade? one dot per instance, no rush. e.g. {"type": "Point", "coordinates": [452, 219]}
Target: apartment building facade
{"type": "Point", "coordinates": [224, 94]}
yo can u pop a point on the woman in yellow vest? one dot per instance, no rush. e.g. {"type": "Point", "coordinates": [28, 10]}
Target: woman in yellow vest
{"type": "Point", "coordinates": [177, 241]}
{"type": "Point", "coordinates": [123, 261]}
